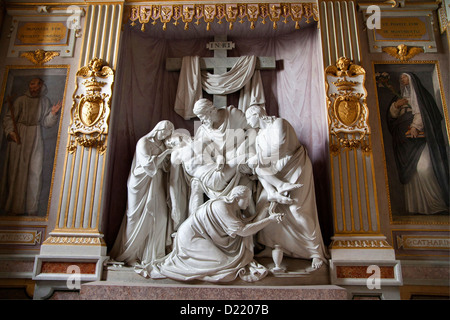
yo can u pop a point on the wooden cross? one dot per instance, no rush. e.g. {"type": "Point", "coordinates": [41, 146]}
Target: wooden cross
{"type": "Point", "coordinates": [220, 63]}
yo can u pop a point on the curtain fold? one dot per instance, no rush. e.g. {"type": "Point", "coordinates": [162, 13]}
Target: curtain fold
{"type": "Point", "coordinates": [242, 75]}
{"type": "Point", "coordinates": [145, 93]}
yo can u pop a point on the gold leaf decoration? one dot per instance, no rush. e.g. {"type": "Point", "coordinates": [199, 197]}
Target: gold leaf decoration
{"type": "Point", "coordinates": [39, 56]}
{"type": "Point", "coordinates": [402, 52]}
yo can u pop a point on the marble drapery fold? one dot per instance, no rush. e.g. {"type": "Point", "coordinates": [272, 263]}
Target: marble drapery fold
{"type": "Point", "coordinates": [241, 76]}
{"type": "Point", "coordinates": [143, 233]}
{"type": "Point", "coordinates": [208, 247]}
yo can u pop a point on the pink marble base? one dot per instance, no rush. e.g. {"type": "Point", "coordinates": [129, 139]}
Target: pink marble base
{"type": "Point", "coordinates": [110, 290]}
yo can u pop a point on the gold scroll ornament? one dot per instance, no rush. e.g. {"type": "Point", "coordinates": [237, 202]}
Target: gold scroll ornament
{"type": "Point", "coordinates": [91, 106]}
{"type": "Point", "coordinates": [347, 108]}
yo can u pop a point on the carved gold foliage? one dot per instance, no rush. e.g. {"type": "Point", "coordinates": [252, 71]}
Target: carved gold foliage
{"type": "Point", "coordinates": [347, 108]}
{"type": "Point", "coordinates": [402, 52]}
{"type": "Point", "coordinates": [91, 106]}
{"type": "Point", "coordinates": [231, 12]}
{"type": "Point", "coordinates": [39, 56]}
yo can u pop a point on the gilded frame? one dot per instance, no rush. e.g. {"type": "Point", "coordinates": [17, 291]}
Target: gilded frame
{"type": "Point", "coordinates": [430, 75]}
{"type": "Point", "coordinates": [15, 83]}
{"type": "Point", "coordinates": [409, 18]}
{"type": "Point", "coordinates": [65, 45]}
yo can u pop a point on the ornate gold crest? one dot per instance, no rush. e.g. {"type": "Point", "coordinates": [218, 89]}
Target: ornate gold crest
{"type": "Point", "coordinates": [347, 109]}
{"type": "Point", "coordinates": [91, 106]}
{"type": "Point", "coordinates": [90, 110]}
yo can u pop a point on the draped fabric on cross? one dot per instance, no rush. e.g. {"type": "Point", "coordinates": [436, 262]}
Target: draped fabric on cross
{"type": "Point", "coordinates": [241, 76]}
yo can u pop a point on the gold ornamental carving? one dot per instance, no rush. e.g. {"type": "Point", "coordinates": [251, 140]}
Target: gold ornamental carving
{"type": "Point", "coordinates": [91, 106]}
{"type": "Point", "coordinates": [223, 12]}
{"type": "Point", "coordinates": [73, 240]}
{"type": "Point", "coordinates": [347, 108]}
{"type": "Point", "coordinates": [402, 52]}
{"type": "Point", "coordinates": [360, 244]}
{"type": "Point", "coordinates": [39, 56]}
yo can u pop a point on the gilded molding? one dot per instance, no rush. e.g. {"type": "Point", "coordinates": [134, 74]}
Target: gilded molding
{"type": "Point", "coordinates": [360, 244]}
{"type": "Point", "coordinates": [39, 56]}
{"type": "Point", "coordinates": [347, 109]}
{"type": "Point", "coordinates": [72, 240]}
{"type": "Point", "coordinates": [229, 12]}
{"type": "Point", "coordinates": [91, 106]}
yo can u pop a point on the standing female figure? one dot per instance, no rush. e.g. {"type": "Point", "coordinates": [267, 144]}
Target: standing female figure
{"type": "Point", "coordinates": [142, 235]}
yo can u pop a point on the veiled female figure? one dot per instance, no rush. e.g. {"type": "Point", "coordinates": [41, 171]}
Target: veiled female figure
{"type": "Point", "coordinates": [415, 123]}
{"type": "Point", "coordinates": [215, 243]}
{"type": "Point", "coordinates": [142, 235]}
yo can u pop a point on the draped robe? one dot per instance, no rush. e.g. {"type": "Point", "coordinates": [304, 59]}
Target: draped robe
{"type": "Point", "coordinates": [299, 233]}
{"type": "Point", "coordinates": [207, 247]}
{"type": "Point", "coordinates": [142, 235]}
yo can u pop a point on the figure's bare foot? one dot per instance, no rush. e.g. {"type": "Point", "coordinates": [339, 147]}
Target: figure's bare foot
{"type": "Point", "coordinates": [316, 263]}
{"type": "Point", "coordinates": [277, 197]}
{"type": "Point", "coordinates": [286, 187]}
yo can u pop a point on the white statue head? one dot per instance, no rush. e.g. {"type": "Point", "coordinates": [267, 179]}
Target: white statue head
{"type": "Point", "coordinates": [205, 111]}
{"type": "Point", "coordinates": [162, 130]}
{"type": "Point", "coordinates": [241, 194]}
{"type": "Point", "coordinates": [253, 114]}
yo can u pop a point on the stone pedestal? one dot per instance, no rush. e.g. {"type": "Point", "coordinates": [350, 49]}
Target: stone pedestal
{"type": "Point", "coordinates": [297, 283]}
{"type": "Point", "coordinates": [366, 267]}
{"type": "Point", "coordinates": [66, 262]}
{"type": "Point", "coordinates": [116, 290]}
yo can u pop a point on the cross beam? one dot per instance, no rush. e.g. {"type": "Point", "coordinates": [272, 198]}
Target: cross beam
{"type": "Point", "coordinates": [220, 63]}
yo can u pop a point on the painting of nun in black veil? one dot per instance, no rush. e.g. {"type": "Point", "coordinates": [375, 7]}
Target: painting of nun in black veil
{"type": "Point", "coordinates": [416, 140]}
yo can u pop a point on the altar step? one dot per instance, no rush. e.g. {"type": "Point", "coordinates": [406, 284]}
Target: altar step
{"type": "Point", "coordinates": [117, 290]}
{"type": "Point", "coordinates": [297, 283]}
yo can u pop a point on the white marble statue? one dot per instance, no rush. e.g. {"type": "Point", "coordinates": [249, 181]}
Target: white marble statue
{"type": "Point", "coordinates": [191, 174]}
{"type": "Point", "coordinates": [216, 148]}
{"type": "Point", "coordinates": [142, 235]}
{"type": "Point", "coordinates": [285, 171]}
{"type": "Point", "coordinates": [215, 243]}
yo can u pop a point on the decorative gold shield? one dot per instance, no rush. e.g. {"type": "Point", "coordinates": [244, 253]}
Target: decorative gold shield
{"type": "Point", "coordinates": [347, 109]}
{"type": "Point", "coordinates": [90, 110]}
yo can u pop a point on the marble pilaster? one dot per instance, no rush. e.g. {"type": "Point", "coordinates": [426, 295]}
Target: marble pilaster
{"type": "Point", "coordinates": [76, 243]}
{"type": "Point", "coordinates": [358, 241]}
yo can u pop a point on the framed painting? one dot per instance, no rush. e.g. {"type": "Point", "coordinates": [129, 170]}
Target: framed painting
{"type": "Point", "coordinates": [415, 129]}
{"type": "Point", "coordinates": [32, 103]}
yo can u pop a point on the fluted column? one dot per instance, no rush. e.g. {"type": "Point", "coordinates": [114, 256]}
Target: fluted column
{"type": "Point", "coordinates": [80, 206]}
{"type": "Point", "coordinates": [77, 238]}
{"type": "Point", "coordinates": [358, 241]}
